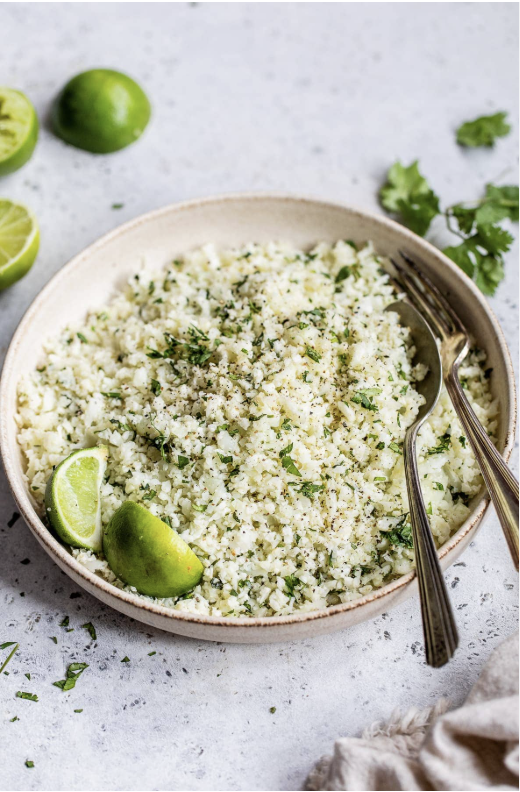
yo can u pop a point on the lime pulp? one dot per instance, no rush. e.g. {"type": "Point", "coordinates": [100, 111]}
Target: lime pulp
{"type": "Point", "coordinates": [18, 130]}
{"type": "Point", "coordinates": [19, 242]}
{"type": "Point", "coordinates": [72, 498]}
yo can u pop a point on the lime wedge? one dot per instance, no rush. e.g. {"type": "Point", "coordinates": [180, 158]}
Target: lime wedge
{"type": "Point", "coordinates": [72, 497]}
{"type": "Point", "coordinates": [18, 130]}
{"type": "Point", "coordinates": [146, 553]}
{"type": "Point", "coordinates": [19, 242]}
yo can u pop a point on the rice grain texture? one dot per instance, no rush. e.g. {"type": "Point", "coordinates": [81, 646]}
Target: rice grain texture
{"type": "Point", "coordinates": [256, 399]}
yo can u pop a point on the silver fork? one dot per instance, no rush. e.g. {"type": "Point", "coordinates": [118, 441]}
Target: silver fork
{"type": "Point", "coordinates": [500, 482]}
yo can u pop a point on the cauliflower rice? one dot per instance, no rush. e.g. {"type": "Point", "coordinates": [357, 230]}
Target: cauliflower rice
{"type": "Point", "coordinates": [257, 399]}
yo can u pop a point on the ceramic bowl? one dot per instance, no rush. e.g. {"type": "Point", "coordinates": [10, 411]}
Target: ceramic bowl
{"type": "Point", "coordinates": [93, 276]}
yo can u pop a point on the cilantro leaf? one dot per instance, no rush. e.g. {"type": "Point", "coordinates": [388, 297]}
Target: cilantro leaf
{"type": "Point", "coordinates": [499, 203]}
{"type": "Point", "coordinates": [480, 256]}
{"type": "Point", "coordinates": [483, 131]}
{"type": "Point", "coordinates": [407, 193]}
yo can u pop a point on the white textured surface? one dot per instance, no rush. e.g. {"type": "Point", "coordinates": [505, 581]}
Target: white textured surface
{"type": "Point", "coordinates": [305, 98]}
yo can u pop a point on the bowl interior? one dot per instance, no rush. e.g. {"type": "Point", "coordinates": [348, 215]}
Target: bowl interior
{"type": "Point", "coordinates": [153, 240]}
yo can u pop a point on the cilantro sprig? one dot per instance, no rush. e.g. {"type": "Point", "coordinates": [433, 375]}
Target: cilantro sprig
{"type": "Point", "coordinates": [480, 254]}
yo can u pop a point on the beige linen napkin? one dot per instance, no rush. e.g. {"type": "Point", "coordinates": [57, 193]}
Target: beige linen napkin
{"type": "Point", "coordinates": [471, 748]}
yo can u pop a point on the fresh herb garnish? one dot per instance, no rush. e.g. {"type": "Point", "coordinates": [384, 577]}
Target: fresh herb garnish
{"type": "Point", "coordinates": [408, 194]}
{"type": "Point", "coordinates": [483, 131]}
{"type": "Point", "coordinates": [155, 387]}
{"type": "Point", "coordinates": [89, 627]}
{"type": "Point", "coordinates": [82, 338]}
{"type": "Point", "coordinates": [309, 489]}
{"type": "Point", "coordinates": [444, 444]}
{"type": "Point", "coordinates": [29, 763]}
{"type": "Point", "coordinates": [198, 508]}
{"type": "Point", "coordinates": [73, 672]}
{"type": "Point", "coordinates": [125, 659]}
{"type": "Point", "coordinates": [480, 254]}
{"type": "Point", "coordinates": [182, 461]}
{"type": "Point", "coordinates": [111, 395]}
{"type": "Point", "coordinates": [401, 534]}
{"type": "Point", "coordinates": [291, 582]}
{"type": "Point", "coordinates": [365, 398]}
{"type": "Point", "coordinates": [28, 696]}
{"type": "Point", "coordinates": [227, 460]}
{"type": "Point", "coordinates": [10, 655]}
{"type": "Point", "coordinates": [342, 274]}
{"type": "Point", "coordinates": [312, 354]}
{"type": "Point", "coordinates": [288, 463]}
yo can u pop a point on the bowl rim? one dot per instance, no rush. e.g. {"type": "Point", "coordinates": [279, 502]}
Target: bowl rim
{"type": "Point", "coordinates": [64, 558]}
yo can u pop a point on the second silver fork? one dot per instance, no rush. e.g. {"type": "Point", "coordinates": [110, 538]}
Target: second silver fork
{"type": "Point", "coordinates": [500, 482]}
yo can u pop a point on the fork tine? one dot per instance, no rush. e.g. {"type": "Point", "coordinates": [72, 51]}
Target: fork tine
{"type": "Point", "coordinates": [437, 323]}
{"type": "Point", "coordinates": [435, 293]}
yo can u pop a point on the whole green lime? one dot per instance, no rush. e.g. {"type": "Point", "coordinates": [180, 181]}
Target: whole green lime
{"type": "Point", "coordinates": [146, 553]}
{"type": "Point", "coordinates": [101, 110]}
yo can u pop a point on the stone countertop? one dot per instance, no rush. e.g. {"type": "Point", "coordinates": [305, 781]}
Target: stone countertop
{"type": "Point", "coordinates": [306, 98]}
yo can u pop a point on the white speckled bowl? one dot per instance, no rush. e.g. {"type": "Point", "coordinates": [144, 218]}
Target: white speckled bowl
{"type": "Point", "coordinates": [94, 275]}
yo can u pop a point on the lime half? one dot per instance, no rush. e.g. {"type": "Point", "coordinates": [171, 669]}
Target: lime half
{"type": "Point", "coordinates": [72, 497]}
{"type": "Point", "coordinates": [19, 241]}
{"type": "Point", "coordinates": [146, 553]}
{"type": "Point", "coordinates": [18, 130]}
{"type": "Point", "coordinates": [101, 110]}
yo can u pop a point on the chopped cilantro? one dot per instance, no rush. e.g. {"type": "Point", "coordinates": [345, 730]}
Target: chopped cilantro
{"type": "Point", "coordinates": [155, 387]}
{"type": "Point", "coordinates": [286, 450]}
{"type": "Point", "coordinates": [197, 508]}
{"type": "Point", "coordinates": [444, 444]}
{"type": "Point", "coordinates": [182, 461]}
{"type": "Point", "coordinates": [89, 627]}
{"type": "Point", "coordinates": [462, 441]}
{"type": "Point", "coordinates": [28, 696]}
{"type": "Point", "coordinates": [401, 534]}
{"type": "Point", "coordinates": [289, 466]}
{"type": "Point", "coordinates": [29, 763]}
{"type": "Point", "coordinates": [312, 354]}
{"type": "Point", "coordinates": [125, 659]}
{"type": "Point", "coordinates": [82, 338]}
{"type": "Point", "coordinates": [272, 710]}
{"type": "Point", "coordinates": [291, 582]}
{"type": "Point", "coordinates": [308, 489]}
{"type": "Point", "coordinates": [227, 460]}
{"type": "Point", "coordinates": [437, 485]}
{"type": "Point", "coordinates": [342, 274]}
{"type": "Point", "coordinates": [73, 672]}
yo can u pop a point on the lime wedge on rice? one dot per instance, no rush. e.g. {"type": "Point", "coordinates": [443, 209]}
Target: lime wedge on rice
{"type": "Point", "coordinates": [19, 242]}
{"type": "Point", "coordinates": [18, 130]}
{"type": "Point", "coordinates": [72, 497]}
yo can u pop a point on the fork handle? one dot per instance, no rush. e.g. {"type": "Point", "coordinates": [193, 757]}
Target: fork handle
{"type": "Point", "coordinates": [500, 482]}
{"type": "Point", "coordinates": [440, 631]}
